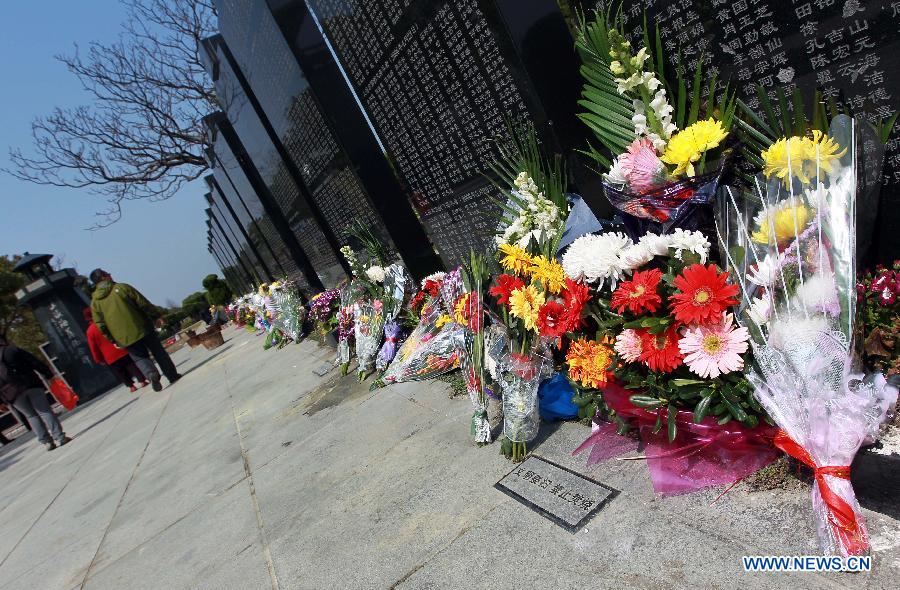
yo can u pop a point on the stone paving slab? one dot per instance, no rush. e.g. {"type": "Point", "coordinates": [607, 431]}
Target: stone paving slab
{"type": "Point", "coordinates": [253, 472]}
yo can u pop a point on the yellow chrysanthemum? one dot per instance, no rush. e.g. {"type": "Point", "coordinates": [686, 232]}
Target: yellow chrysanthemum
{"type": "Point", "coordinates": [524, 303]}
{"type": "Point", "coordinates": [459, 310]}
{"type": "Point", "coordinates": [443, 319]}
{"type": "Point", "coordinates": [590, 362]}
{"type": "Point", "coordinates": [689, 145]}
{"type": "Point", "coordinates": [786, 220]}
{"type": "Point", "coordinates": [549, 272]}
{"type": "Point", "coordinates": [803, 157]}
{"type": "Point", "coordinates": [515, 259]}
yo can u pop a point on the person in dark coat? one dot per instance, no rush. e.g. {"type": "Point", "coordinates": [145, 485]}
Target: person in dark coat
{"type": "Point", "coordinates": [21, 387]}
{"type": "Point", "coordinates": [117, 359]}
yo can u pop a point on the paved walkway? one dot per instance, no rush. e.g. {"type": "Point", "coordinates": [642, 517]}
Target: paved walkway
{"type": "Point", "coordinates": [253, 473]}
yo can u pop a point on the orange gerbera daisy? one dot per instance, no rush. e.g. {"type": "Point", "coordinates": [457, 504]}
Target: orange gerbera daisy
{"type": "Point", "coordinates": [639, 294]}
{"type": "Point", "coordinates": [704, 294]}
{"type": "Point", "coordinates": [590, 362]}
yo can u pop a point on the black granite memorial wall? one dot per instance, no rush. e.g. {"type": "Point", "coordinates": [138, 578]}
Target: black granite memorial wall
{"type": "Point", "coordinates": [235, 232]}
{"type": "Point", "coordinates": [264, 221]}
{"type": "Point", "coordinates": [848, 49]}
{"type": "Point", "coordinates": [225, 238]}
{"type": "Point", "coordinates": [229, 254]}
{"type": "Point", "coordinates": [285, 189]}
{"type": "Point", "coordinates": [440, 82]}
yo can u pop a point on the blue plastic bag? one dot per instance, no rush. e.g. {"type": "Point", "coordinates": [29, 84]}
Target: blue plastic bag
{"type": "Point", "coordinates": [555, 399]}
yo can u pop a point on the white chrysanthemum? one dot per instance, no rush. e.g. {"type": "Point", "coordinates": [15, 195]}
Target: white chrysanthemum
{"type": "Point", "coordinates": [596, 258]}
{"type": "Point", "coordinates": [616, 174]}
{"type": "Point", "coordinates": [692, 241]}
{"type": "Point", "coordinates": [767, 271]}
{"type": "Point", "coordinates": [819, 196]}
{"type": "Point", "coordinates": [656, 244]}
{"type": "Point", "coordinates": [636, 256]}
{"type": "Point", "coordinates": [435, 276]}
{"type": "Point", "coordinates": [375, 274]}
{"type": "Point", "coordinates": [799, 334]}
{"type": "Point", "coordinates": [818, 294]}
{"type": "Point", "coordinates": [760, 310]}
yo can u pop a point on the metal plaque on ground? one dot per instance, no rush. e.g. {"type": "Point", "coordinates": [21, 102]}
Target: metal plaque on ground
{"type": "Point", "coordinates": [324, 369]}
{"type": "Point", "coordinates": [567, 498]}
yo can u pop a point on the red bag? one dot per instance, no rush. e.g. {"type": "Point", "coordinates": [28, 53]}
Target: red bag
{"type": "Point", "coordinates": [63, 393]}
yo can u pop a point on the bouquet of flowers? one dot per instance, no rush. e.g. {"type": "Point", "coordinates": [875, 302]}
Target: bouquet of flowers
{"type": "Point", "coordinates": [291, 312]}
{"type": "Point", "coordinates": [791, 244]}
{"type": "Point", "coordinates": [664, 147]}
{"type": "Point", "coordinates": [469, 312]}
{"type": "Point", "coordinates": [667, 355]}
{"type": "Point", "coordinates": [323, 311]}
{"type": "Point", "coordinates": [349, 296]}
{"type": "Point", "coordinates": [433, 348]}
{"type": "Point", "coordinates": [369, 323]}
{"type": "Point", "coordinates": [533, 298]}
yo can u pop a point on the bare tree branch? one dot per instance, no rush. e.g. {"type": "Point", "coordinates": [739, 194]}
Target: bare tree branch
{"type": "Point", "coordinates": [142, 138]}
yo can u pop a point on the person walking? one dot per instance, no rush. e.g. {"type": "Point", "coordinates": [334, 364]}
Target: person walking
{"type": "Point", "coordinates": [21, 387]}
{"type": "Point", "coordinates": [126, 318]}
{"type": "Point", "coordinates": [117, 359]}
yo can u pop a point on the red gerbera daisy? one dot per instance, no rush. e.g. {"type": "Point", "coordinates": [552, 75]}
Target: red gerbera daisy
{"type": "Point", "coordinates": [660, 351]}
{"type": "Point", "coordinates": [704, 294]}
{"type": "Point", "coordinates": [639, 294]}
{"type": "Point", "coordinates": [552, 319]}
{"type": "Point", "coordinates": [506, 284]}
{"type": "Point", "coordinates": [575, 296]}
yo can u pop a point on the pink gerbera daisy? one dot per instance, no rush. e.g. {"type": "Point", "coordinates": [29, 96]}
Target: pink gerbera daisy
{"type": "Point", "coordinates": [629, 345]}
{"type": "Point", "coordinates": [714, 349]}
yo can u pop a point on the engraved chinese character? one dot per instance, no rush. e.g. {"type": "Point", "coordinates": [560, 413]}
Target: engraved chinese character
{"type": "Point", "coordinates": [803, 10]}
{"type": "Point", "coordinates": [809, 28]}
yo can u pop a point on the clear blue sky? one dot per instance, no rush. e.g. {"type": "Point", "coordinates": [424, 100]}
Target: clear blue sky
{"type": "Point", "coordinates": [160, 248]}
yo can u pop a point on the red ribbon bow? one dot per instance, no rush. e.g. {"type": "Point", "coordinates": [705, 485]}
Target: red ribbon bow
{"type": "Point", "coordinates": [840, 514]}
{"type": "Point", "coordinates": [391, 339]}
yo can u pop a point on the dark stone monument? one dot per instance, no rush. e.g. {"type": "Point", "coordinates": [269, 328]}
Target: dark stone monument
{"type": "Point", "coordinates": [57, 304]}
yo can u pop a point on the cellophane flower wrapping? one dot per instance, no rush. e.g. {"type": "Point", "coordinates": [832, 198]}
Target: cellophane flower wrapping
{"type": "Point", "coordinates": [791, 243]}
{"type": "Point", "coordinates": [397, 288]}
{"type": "Point", "coordinates": [389, 348]}
{"type": "Point", "coordinates": [369, 323]}
{"type": "Point", "coordinates": [345, 323]}
{"type": "Point", "coordinates": [291, 313]}
{"type": "Point", "coordinates": [470, 312]}
{"type": "Point", "coordinates": [520, 376]}
{"type": "Point", "coordinates": [432, 349]}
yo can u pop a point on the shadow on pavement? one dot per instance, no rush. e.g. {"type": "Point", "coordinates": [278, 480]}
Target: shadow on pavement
{"type": "Point", "coordinates": [219, 351]}
{"type": "Point", "coordinates": [107, 417]}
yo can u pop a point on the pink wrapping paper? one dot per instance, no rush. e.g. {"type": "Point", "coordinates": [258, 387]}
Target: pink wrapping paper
{"type": "Point", "coordinates": [702, 455]}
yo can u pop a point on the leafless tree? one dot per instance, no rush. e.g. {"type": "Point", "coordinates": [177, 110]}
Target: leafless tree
{"type": "Point", "coordinates": [142, 138]}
